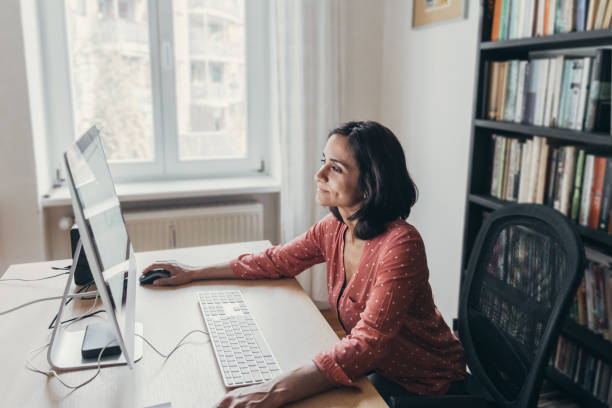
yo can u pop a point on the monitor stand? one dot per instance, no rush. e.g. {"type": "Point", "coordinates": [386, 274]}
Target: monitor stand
{"type": "Point", "coordinates": [65, 346]}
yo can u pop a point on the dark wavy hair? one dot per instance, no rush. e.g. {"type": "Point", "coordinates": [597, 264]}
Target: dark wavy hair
{"type": "Point", "coordinates": [384, 181]}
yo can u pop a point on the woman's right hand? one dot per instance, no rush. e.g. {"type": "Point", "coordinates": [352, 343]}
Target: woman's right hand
{"type": "Point", "coordinates": [180, 274]}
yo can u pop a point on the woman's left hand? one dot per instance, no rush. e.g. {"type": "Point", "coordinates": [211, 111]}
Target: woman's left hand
{"type": "Point", "coordinates": [264, 395]}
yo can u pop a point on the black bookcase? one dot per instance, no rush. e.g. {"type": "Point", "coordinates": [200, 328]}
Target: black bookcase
{"type": "Point", "coordinates": [480, 202]}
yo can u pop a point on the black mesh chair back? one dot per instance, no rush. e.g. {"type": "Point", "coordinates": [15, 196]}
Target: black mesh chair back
{"type": "Point", "coordinates": [523, 271]}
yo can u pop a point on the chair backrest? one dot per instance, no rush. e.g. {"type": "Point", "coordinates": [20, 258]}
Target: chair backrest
{"type": "Point", "coordinates": [523, 271]}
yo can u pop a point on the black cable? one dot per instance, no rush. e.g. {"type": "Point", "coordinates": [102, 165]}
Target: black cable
{"type": "Point", "coordinates": [82, 317]}
{"type": "Point", "coordinates": [83, 288]}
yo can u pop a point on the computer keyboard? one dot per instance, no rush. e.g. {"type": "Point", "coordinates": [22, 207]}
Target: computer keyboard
{"type": "Point", "coordinates": [243, 355]}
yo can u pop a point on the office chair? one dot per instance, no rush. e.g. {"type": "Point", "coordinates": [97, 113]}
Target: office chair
{"type": "Point", "coordinates": [523, 271]}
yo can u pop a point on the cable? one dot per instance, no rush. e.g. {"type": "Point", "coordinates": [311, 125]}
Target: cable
{"type": "Point", "coordinates": [180, 343]}
{"type": "Point", "coordinates": [30, 366]}
{"type": "Point", "coordinates": [84, 287]}
{"type": "Point", "coordinates": [39, 279]}
{"type": "Point", "coordinates": [72, 295]}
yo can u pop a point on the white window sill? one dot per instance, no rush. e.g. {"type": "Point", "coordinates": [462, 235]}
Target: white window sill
{"type": "Point", "coordinates": [176, 189]}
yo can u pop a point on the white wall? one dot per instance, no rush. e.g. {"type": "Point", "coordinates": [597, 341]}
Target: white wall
{"type": "Point", "coordinates": [21, 232]}
{"type": "Point", "coordinates": [426, 99]}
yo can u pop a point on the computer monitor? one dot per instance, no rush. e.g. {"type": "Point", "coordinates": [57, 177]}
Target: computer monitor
{"type": "Point", "coordinates": [109, 253]}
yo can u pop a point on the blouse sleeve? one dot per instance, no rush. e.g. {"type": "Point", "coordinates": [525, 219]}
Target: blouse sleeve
{"type": "Point", "coordinates": [402, 270]}
{"type": "Point", "coordinates": [283, 260]}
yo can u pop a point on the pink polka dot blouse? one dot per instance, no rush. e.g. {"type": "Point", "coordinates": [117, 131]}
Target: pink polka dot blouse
{"type": "Point", "coordinates": [387, 307]}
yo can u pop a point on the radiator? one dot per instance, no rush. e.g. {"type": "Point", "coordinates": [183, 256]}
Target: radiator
{"type": "Point", "coordinates": [186, 227]}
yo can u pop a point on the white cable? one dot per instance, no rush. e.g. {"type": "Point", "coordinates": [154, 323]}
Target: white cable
{"type": "Point", "coordinates": [34, 280]}
{"type": "Point", "coordinates": [71, 295]}
{"type": "Point", "coordinates": [180, 343]}
{"type": "Point", "coordinates": [84, 315]}
{"type": "Point", "coordinates": [30, 366]}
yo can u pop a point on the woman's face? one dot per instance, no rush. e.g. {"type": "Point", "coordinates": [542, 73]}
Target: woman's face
{"type": "Point", "coordinates": [338, 176]}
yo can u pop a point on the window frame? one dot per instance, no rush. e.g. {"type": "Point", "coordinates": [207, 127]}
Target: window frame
{"type": "Point", "coordinates": [58, 95]}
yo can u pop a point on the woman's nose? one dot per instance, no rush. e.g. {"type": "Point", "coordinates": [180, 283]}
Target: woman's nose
{"type": "Point", "coordinates": [321, 174]}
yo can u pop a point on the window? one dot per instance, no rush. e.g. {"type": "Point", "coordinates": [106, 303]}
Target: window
{"type": "Point", "coordinates": [177, 88]}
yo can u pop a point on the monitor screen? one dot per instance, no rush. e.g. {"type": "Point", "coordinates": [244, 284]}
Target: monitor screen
{"type": "Point", "coordinates": [96, 201]}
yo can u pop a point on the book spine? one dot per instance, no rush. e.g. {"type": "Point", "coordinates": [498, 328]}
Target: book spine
{"type": "Point", "coordinates": [601, 11]}
{"type": "Point", "coordinates": [505, 14]}
{"type": "Point", "coordinates": [528, 22]}
{"type": "Point", "coordinates": [532, 86]}
{"type": "Point", "coordinates": [504, 184]}
{"type": "Point", "coordinates": [525, 168]}
{"type": "Point", "coordinates": [517, 176]}
{"type": "Point", "coordinates": [502, 81]}
{"type": "Point", "coordinates": [496, 20]}
{"type": "Point", "coordinates": [512, 163]}
{"type": "Point", "coordinates": [520, 92]}
{"type": "Point", "coordinates": [533, 169]}
{"type": "Point", "coordinates": [497, 154]}
{"type": "Point", "coordinates": [512, 90]}
{"type": "Point", "coordinates": [541, 92]}
{"type": "Point", "coordinates": [559, 64]}
{"type": "Point", "coordinates": [580, 15]}
{"type": "Point", "coordinates": [541, 178]}
{"type": "Point", "coordinates": [552, 177]}
{"type": "Point", "coordinates": [608, 16]}
{"type": "Point", "coordinates": [602, 112]}
{"type": "Point", "coordinates": [559, 178]}
{"type": "Point", "coordinates": [587, 184]}
{"type": "Point", "coordinates": [549, 91]}
{"type": "Point", "coordinates": [577, 185]}
{"type": "Point", "coordinates": [574, 94]}
{"type": "Point", "coordinates": [513, 20]}
{"type": "Point", "coordinates": [589, 121]}
{"type": "Point", "coordinates": [584, 84]}
{"type": "Point", "coordinates": [591, 14]}
{"type": "Point", "coordinates": [598, 178]}
{"type": "Point", "coordinates": [606, 197]}
{"type": "Point", "coordinates": [492, 111]}
{"type": "Point", "coordinates": [560, 17]}
{"type": "Point", "coordinates": [568, 178]}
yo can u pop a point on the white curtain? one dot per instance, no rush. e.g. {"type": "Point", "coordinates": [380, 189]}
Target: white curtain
{"type": "Point", "coordinates": [305, 61]}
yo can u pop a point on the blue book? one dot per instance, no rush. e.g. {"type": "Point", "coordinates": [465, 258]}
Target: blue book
{"type": "Point", "coordinates": [581, 8]}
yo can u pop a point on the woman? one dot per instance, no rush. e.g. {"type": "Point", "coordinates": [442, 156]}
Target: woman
{"type": "Point", "coordinates": [377, 279]}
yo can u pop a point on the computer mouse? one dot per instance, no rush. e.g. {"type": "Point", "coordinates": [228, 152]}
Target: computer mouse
{"type": "Point", "coordinates": [151, 276]}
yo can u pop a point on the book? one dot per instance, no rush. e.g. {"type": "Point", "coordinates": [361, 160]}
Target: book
{"type": "Point", "coordinates": [596, 190]}
{"type": "Point", "coordinates": [525, 171]}
{"type": "Point", "coordinates": [574, 94]}
{"type": "Point", "coordinates": [502, 81]}
{"type": "Point", "coordinates": [608, 16]}
{"type": "Point", "coordinates": [533, 168]}
{"type": "Point", "coordinates": [587, 183]}
{"type": "Point", "coordinates": [606, 197]}
{"type": "Point", "coordinates": [567, 178]}
{"type": "Point", "coordinates": [599, 16]}
{"type": "Point", "coordinates": [559, 178]}
{"type": "Point", "coordinates": [541, 91]}
{"type": "Point", "coordinates": [560, 63]}
{"type": "Point", "coordinates": [549, 92]}
{"type": "Point", "coordinates": [496, 20]}
{"type": "Point", "coordinates": [541, 174]}
{"type": "Point", "coordinates": [504, 184]}
{"type": "Point", "coordinates": [514, 19]}
{"type": "Point", "coordinates": [577, 185]}
{"type": "Point", "coordinates": [503, 25]}
{"type": "Point", "coordinates": [580, 15]}
{"type": "Point", "coordinates": [602, 111]}
{"type": "Point", "coordinates": [593, 98]}
{"type": "Point", "coordinates": [529, 17]}
{"type": "Point", "coordinates": [513, 70]}
{"type": "Point", "coordinates": [492, 104]}
{"type": "Point", "coordinates": [560, 16]}
{"type": "Point", "coordinates": [593, 4]}
{"type": "Point", "coordinates": [551, 178]}
{"type": "Point", "coordinates": [565, 91]}
{"type": "Point", "coordinates": [584, 89]}
{"type": "Point", "coordinates": [520, 92]}
{"type": "Point", "coordinates": [497, 158]}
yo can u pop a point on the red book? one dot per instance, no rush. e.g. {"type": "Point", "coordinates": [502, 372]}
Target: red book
{"type": "Point", "coordinates": [496, 18]}
{"type": "Point", "coordinates": [599, 171]}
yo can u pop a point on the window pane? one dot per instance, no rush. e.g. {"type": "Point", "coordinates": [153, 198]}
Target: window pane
{"type": "Point", "coordinates": [108, 47]}
{"type": "Point", "coordinates": [209, 47]}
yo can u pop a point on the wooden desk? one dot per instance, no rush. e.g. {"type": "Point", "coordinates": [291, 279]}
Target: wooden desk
{"type": "Point", "coordinates": [291, 323]}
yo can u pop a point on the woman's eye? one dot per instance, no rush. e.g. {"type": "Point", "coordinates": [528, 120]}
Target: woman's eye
{"type": "Point", "coordinates": [336, 169]}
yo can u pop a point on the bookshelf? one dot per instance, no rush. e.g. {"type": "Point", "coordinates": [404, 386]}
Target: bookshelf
{"type": "Point", "coordinates": [479, 198]}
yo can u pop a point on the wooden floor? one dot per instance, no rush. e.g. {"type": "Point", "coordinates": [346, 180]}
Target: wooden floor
{"type": "Point", "coordinates": [333, 322]}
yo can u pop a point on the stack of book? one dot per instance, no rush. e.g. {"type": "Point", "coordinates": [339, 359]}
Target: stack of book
{"type": "Point", "coordinates": [592, 306]}
{"type": "Point", "coordinates": [576, 183]}
{"type": "Point", "coordinates": [565, 91]}
{"type": "Point", "coordinates": [512, 19]}
{"type": "Point", "coordinates": [592, 374]}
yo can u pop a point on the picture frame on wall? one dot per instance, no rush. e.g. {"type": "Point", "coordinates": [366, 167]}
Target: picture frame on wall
{"type": "Point", "coordinates": [426, 12]}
